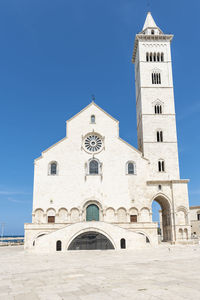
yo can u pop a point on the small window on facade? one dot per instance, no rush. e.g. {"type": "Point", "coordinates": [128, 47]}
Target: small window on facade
{"type": "Point", "coordinates": [152, 31]}
{"type": "Point", "coordinates": [154, 57]}
{"type": "Point", "coordinates": [53, 168]}
{"type": "Point", "coordinates": [51, 219]}
{"type": "Point", "coordinates": [159, 136]}
{"type": "Point", "coordinates": [162, 56]}
{"type": "Point", "coordinates": [198, 216]}
{"type": "Point", "coordinates": [130, 168]}
{"type": "Point", "coordinates": [123, 244]}
{"type": "Point", "coordinates": [147, 56]}
{"type": "Point", "coordinates": [158, 56]}
{"type": "Point", "coordinates": [159, 187]}
{"type": "Point", "coordinates": [92, 119]}
{"type": "Point", "coordinates": [93, 167]}
{"type": "Point", "coordinates": [150, 56]}
{"type": "Point", "coordinates": [133, 218]}
{"type": "Point", "coordinates": [161, 166]}
{"type": "Point", "coordinates": [158, 109]}
{"type": "Point", "coordinates": [58, 246]}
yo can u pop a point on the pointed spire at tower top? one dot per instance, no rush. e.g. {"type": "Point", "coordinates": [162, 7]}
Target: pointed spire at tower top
{"type": "Point", "coordinates": [149, 22]}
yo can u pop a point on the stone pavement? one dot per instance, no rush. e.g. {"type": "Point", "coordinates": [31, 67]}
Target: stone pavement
{"type": "Point", "coordinates": [162, 273]}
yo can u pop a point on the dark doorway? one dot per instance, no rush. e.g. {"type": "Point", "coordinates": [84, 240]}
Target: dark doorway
{"type": "Point", "coordinates": [92, 213]}
{"type": "Point", "coordinates": [58, 246]}
{"type": "Point", "coordinates": [91, 241]}
{"type": "Point", "coordinates": [51, 219]}
{"type": "Point", "coordinates": [123, 244]}
{"type": "Point", "coordinates": [133, 218]}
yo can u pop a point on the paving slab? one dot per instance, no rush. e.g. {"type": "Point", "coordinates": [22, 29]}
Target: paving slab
{"type": "Point", "coordinates": [153, 273]}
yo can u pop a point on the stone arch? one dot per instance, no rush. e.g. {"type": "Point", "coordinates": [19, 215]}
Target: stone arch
{"type": "Point", "coordinates": [148, 239]}
{"type": "Point", "coordinates": [110, 214]}
{"type": "Point", "coordinates": [185, 234]}
{"type": "Point", "coordinates": [62, 215]}
{"type": "Point", "coordinates": [95, 202]}
{"type": "Point", "coordinates": [51, 214]}
{"type": "Point", "coordinates": [133, 211]}
{"type": "Point", "coordinates": [75, 215]}
{"type": "Point", "coordinates": [121, 215]}
{"type": "Point", "coordinates": [145, 214]}
{"type": "Point", "coordinates": [38, 216]}
{"type": "Point", "coordinates": [180, 234]}
{"type": "Point", "coordinates": [166, 219]}
{"type": "Point", "coordinates": [182, 215]}
{"type": "Point", "coordinates": [88, 230]}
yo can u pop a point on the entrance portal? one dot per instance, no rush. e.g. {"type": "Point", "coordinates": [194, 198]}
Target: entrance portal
{"type": "Point", "coordinates": [92, 213]}
{"type": "Point", "coordinates": [91, 241]}
{"type": "Point", "coordinates": [165, 218]}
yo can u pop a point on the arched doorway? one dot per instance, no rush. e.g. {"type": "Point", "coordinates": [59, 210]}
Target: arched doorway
{"type": "Point", "coordinates": [163, 217]}
{"type": "Point", "coordinates": [92, 213]}
{"type": "Point", "coordinates": [91, 241]}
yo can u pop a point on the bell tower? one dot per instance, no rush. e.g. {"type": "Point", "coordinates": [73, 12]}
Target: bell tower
{"type": "Point", "coordinates": [156, 122]}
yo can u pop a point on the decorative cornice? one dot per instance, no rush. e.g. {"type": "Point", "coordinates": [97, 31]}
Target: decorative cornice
{"type": "Point", "coordinates": [147, 38]}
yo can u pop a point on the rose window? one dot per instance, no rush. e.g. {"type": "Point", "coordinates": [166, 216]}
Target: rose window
{"type": "Point", "coordinates": [93, 143]}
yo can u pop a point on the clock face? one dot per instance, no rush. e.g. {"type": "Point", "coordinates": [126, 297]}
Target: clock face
{"type": "Point", "coordinates": [93, 143]}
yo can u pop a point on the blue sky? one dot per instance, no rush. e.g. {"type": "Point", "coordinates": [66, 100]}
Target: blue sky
{"type": "Point", "coordinates": [55, 54]}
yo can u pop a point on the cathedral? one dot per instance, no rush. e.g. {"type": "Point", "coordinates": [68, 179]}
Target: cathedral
{"type": "Point", "coordinates": [93, 190]}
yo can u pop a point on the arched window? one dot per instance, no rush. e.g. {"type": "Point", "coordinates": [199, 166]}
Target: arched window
{"type": "Point", "coordinates": [198, 216]}
{"type": "Point", "coordinates": [93, 167]}
{"type": "Point", "coordinates": [162, 56]}
{"type": "Point", "coordinates": [147, 56]}
{"type": "Point", "coordinates": [58, 246]}
{"type": "Point", "coordinates": [158, 109]}
{"type": "Point", "coordinates": [152, 31]}
{"type": "Point", "coordinates": [158, 56]}
{"type": "Point", "coordinates": [130, 168]}
{"type": "Point", "coordinates": [150, 56]}
{"type": "Point", "coordinates": [161, 165]}
{"type": "Point", "coordinates": [154, 56]}
{"type": "Point", "coordinates": [159, 136]}
{"type": "Point", "coordinates": [53, 168]}
{"type": "Point", "coordinates": [93, 119]}
{"type": "Point", "coordinates": [123, 244]}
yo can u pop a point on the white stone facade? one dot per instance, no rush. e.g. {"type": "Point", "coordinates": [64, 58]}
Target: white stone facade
{"type": "Point", "coordinates": [93, 171]}
{"type": "Point", "coordinates": [195, 221]}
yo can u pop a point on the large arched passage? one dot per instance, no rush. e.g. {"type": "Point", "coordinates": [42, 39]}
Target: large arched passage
{"type": "Point", "coordinates": [91, 240]}
{"type": "Point", "coordinates": [164, 216]}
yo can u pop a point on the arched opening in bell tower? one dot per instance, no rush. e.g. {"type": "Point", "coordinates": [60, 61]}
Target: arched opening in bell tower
{"type": "Point", "coordinates": [161, 213]}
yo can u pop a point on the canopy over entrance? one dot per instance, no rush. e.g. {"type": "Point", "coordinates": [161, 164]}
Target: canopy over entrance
{"type": "Point", "coordinates": [91, 241]}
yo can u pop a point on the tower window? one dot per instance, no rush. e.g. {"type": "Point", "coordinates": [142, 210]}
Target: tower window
{"type": "Point", "coordinates": [93, 167]}
{"type": "Point", "coordinates": [198, 216]}
{"type": "Point", "coordinates": [158, 56]}
{"type": "Point", "coordinates": [150, 56]}
{"type": "Point", "coordinates": [93, 119]}
{"type": "Point", "coordinates": [154, 57]}
{"type": "Point", "coordinates": [156, 78]}
{"type": "Point", "coordinates": [147, 56]}
{"type": "Point", "coordinates": [158, 109]}
{"type": "Point", "coordinates": [162, 56]}
{"type": "Point", "coordinates": [159, 136]}
{"type": "Point", "coordinates": [152, 31]}
{"type": "Point", "coordinates": [53, 168]}
{"type": "Point", "coordinates": [161, 166]}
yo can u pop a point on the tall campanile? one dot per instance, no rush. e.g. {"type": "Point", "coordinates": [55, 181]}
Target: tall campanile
{"type": "Point", "coordinates": [156, 122]}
